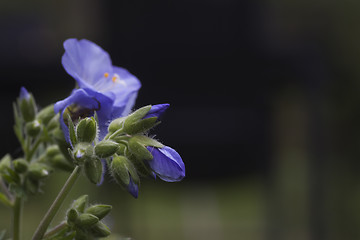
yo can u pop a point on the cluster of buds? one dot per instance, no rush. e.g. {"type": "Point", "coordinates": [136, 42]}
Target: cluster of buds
{"type": "Point", "coordinates": [126, 149]}
{"type": "Point", "coordinates": [83, 222]}
{"type": "Point", "coordinates": [35, 130]}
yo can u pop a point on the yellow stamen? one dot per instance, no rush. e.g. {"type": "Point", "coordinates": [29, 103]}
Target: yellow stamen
{"type": "Point", "coordinates": [106, 74]}
{"type": "Point", "coordinates": [114, 79]}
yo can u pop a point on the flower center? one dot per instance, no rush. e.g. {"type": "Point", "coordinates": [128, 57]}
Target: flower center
{"type": "Point", "coordinates": [115, 78]}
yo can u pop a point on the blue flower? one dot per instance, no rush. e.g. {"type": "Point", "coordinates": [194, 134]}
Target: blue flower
{"type": "Point", "coordinates": [167, 164]}
{"type": "Point", "coordinates": [133, 188]}
{"type": "Point", "coordinates": [109, 90]}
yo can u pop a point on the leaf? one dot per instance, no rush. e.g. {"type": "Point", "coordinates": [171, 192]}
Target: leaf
{"type": "Point", "coordinates": [6, 202]}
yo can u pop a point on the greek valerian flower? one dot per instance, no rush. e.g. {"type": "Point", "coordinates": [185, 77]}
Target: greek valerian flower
{"type": "Point", "coordinates": [109, 90]}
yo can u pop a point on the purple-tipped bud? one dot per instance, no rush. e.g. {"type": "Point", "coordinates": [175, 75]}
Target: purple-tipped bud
{"type": "Point", "coordinates": [167, 164]}
{"type": "Point", "coordinates": [157, 110]}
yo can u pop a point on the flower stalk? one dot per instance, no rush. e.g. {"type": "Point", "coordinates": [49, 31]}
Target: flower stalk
{"type": "Point", "coordinates": [45, 222]}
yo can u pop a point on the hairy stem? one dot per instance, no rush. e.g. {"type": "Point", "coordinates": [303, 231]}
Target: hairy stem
{"type": "Point", "coordinates": [55, 230]}
{"type": "Point", "coordinates": [17, 212]}
{"type": "Point", "coordinates": [54, 208]}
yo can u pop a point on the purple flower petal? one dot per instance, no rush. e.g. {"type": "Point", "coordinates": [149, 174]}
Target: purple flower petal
{"type": "Point", "coordinates": [157, 110]}
{"type": "Point", "coordinates": [24, 94]}
{"type": "Point", "coordinates": [167, 164]}
{"type": "Point", "coordinates": [133, 188]}
{"type": "Point", "coordinates": [85, 61]}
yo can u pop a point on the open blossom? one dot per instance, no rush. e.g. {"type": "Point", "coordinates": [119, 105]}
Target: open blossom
{"type": "Point", "coordinates": [109, 90]}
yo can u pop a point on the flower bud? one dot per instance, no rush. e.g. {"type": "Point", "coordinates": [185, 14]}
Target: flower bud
{"type": "Point", "coordinates": [81, 203]}
{"type": "Point", "coordinates": [122, 169]}
{"type": "Point", "coordinates": [137, 115]}
{"type": "Point", "coordinates": [106, 148]}
{"type": "Point", "coordinates": [5, 163]}
{"type": "Point", "coordinates": [81, 152]}
{"type": "Point", "coordinates": [141, 126]}
{"type": "Point", "coordinates": [33, 128]}
{"type": "Point", "coordinates": [27, 105]}
{"type": "Point", "coordinates": [72, 215]}
{"type": "Point", "coordinates": [20, 165]}
{"type": "Point", "coordinates": [52, 151]}
{"type": "Point", "coordinates": [86, 220]}
{"type": "Point", "coordinates": [93, 169]}
{"type": "Point", "coordinates": [100, 210]}
{"type": "Point", "coordinates": [86, 130]}
{"type": "Point", "coordinates": [116, 124]}
{"type": "Point", "coordinates": [38, 171]}
{"type": "Point", "coordinates": [46, 114]}
{"type": "Point", "coordinates": [100, 230]}
{"type": "Point", "coordinates": [139, 150]}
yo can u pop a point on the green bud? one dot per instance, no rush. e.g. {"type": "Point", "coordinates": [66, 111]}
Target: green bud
{"type": "Point", "coordinates": [72, 215]}
{"type": "Point", "coordinates": [100, 230]}
{"type": "Point", "coordinates": [116, 124]}
{"type": "Point", "coordinates": [93, 169]}
{"type": "Point", "coordinates": [46, 114]}
{"type": "Point", "coordinates": [137, 115]}
{"type": "Point", "coordinates": [5, 163]}
{"type": "Point", "coordinates": [99, 210]}
{"type": "Point", "coordinates": [121, 169]}
{"type": "Point", "coordinates": [38, 171]}
{"type": "Point", "coordinates": [52, 151]}
{"type": "Point", "coordinates": [141, 126]}
{"type": "Point", "coordinates": [121, 149]}
{"type": "Point", "coordinates": [81, 152]}
{"type": "Point", "coordinates": [33, 128]}
{"type": "Point", "coordinates": [27, 105]}
{"type": "Point", "coordinates": [81, 203]}
{"type": "Point", "coordinates": [106, 148]}
{"type": "Point", "coordinates": [139, 150]}
{"type": "Point", "coordinates": [146, 141]}
{"type": "Point", "coordinates": [86, 130]}
{"type": "Point", "coordinates": [86, 220]}
{"type": "Point", "coordinates": [20, 165]}
{"type": "Point", "coordinates": [11, 176]}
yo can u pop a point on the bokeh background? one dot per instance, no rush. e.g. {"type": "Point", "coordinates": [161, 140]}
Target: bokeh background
{"type": "Point", "coordinates": [264, 110]}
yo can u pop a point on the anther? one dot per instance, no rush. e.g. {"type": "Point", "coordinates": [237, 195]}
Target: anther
{"type": "Point", "coordinates": [106, 74]}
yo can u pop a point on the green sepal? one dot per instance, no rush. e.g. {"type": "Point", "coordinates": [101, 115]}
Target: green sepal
{"type": "Point", "coordinates": [100, 230]}
{"type": "Point", "coordinates": [11, 176]}
{"type": "Point", "coordinates": [46, 114]}
{"type": "Point", "coordinates": [142, 169]}
{"type": "Point", "coordinates": [99, 210]}
{"type": "Point", "coordinates": [122, 169]}
{"type": "Point", "coordinates": [93, 169]}
{"type": "Point", "coordinates": [72, 133]}
{"type": "Point", "coordinates": [71, 216]}
{"type": "Point", "coordinates": [32, 186]}
{"type": "Point", "coordinates": [139, 150]}
{"type": "Point", "coordinates": [86, 220]}
{"type": "Point", "coordinates": [82, 152]}
{"type": "Point", "coordinates": [106, 148]}
{"type": "Point", "coordinates": [86, 130]}
{"type": "Point", "coordinates": [146, 141]}
{"type": "Point", "coordinates": [5, 200]}
{"type": "Point", "coordinates": [137, 115]}
{"type": "Point", "coordinates": [81, 203]}
{"type": "Point", "coordinates": [20, 165]}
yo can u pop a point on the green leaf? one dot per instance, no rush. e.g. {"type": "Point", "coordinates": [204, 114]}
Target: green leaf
{"type": "Point", "coordinates": [5, 201]}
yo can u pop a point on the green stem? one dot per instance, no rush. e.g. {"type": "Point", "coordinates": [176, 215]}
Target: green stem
{"type": "Point", "coordinates": [33, 149]}
{"type": "Point", "coordinates": [45, 222]}
{"type": "Point", "coordinates": [55, 230]}
{"type": "Point", "coordinates": [17, 210]}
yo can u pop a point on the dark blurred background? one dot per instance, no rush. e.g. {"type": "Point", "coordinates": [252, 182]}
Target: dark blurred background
{"type": "Point", "coordinates": [264, 110]}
